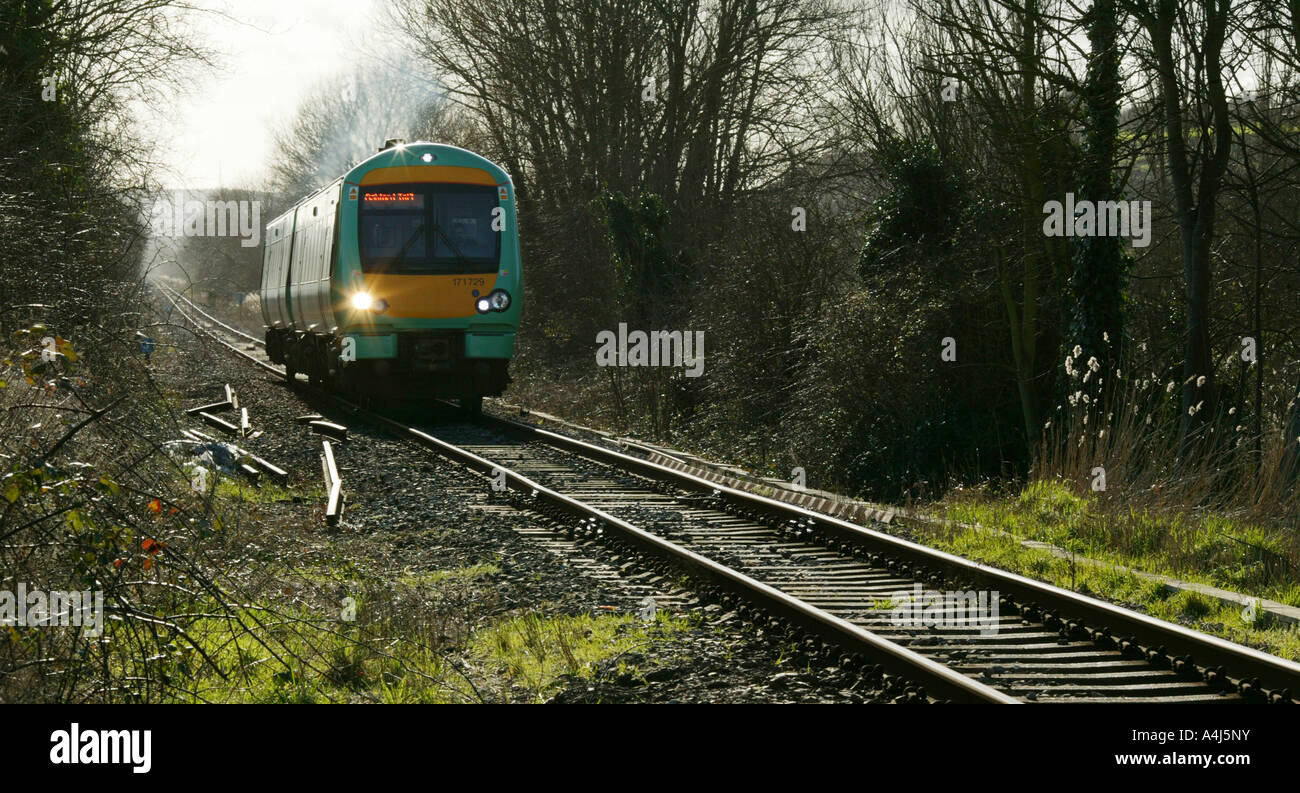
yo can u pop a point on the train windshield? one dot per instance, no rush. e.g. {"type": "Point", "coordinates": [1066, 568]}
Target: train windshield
{"type": "Point", "coordinates": [428, 229]}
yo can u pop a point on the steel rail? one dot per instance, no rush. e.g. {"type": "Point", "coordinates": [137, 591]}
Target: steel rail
{"type": "Point", "coordinates": [1172, 642]}
{"type": "Point", "coordinates": [937, 680]}
{"type": "Point", "coordinates": [1081, 616]}
{"type": "Point", "coordinates": [235, 331]}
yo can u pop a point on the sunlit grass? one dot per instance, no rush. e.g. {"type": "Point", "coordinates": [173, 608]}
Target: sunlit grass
{"type": "Point", "coordinates": [430, 648]}
{"type": "Point", "coordinates": [1210, 550]}
{"type": "Point", "coordinates": [297, 658]}
{"type": "Point", "coordinates": [236, 488]}
{"type": "Point", "coordinates": [1213, 550]}
{"type": "Point", "coordinates": [464, 574]}
{"type": "Point", "coordinates": [538, 652]}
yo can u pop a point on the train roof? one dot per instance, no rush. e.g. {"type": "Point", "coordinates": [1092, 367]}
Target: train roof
{"type": "Point", "coordinates": [400, 154]}
{"type": "Point", "coordinates": [425, 153]}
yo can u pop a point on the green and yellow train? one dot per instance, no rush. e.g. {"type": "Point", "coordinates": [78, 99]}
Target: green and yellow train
{"type": "Point", "coordinates": [401, 278]}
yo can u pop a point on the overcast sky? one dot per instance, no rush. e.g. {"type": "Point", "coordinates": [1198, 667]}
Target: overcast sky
{"type": "Point", "coordinates": [271, 52]}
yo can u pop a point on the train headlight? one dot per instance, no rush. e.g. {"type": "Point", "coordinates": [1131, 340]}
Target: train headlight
{"type": "Point", "coordinates": [483, 305]}
{"type": "Point", "coordinates": [499, 300]}
{"type": "Point", "coordinates": [362, 301]}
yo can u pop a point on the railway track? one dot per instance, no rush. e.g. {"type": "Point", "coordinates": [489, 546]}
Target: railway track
{"type": "Point", "coordinates": [835, 585]}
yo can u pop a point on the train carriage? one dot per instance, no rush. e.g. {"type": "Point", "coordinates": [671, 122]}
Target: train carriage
{"type": "Point", "coordinates": [401, 278]}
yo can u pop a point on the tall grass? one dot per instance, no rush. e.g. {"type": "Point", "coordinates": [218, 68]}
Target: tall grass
{"type": "Point", "coordinates": [1127, 423]}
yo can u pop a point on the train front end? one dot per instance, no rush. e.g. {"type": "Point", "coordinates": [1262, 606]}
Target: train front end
{"type": "Point", "coordinates": [427, 288]}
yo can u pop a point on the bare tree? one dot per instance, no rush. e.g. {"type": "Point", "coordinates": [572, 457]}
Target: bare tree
{"type": "Point", "coordinates": [695, 101]}
{"type": "Point", "coordinates": [1185, 48]}
{"type": "Point", "coordinates": [346, 117]}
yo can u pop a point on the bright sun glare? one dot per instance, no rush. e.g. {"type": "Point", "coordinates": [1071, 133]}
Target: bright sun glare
{"type": "Point", "coordinates": [271, 53]}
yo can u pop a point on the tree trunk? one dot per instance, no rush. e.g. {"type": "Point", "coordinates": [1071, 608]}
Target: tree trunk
{"type": "Point", "coordinates": [1099, 276]}
{"type": "Point", "coordinates": [1194, 199]}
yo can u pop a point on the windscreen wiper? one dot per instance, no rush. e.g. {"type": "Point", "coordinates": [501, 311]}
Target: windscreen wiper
{"type": "Point", "coordinates": [462, 257]}
{"type": "Point", "coordinates": [406, 246]}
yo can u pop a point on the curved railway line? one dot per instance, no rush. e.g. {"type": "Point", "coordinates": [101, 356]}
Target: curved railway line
{"type": "Point", "coordinates": [830, 583]}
